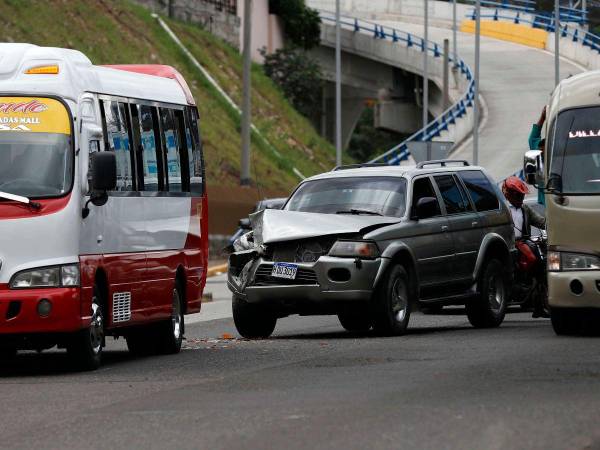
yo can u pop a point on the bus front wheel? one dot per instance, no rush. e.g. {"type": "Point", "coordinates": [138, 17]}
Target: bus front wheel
{"type": "Point", "coordinates": [86, 345]}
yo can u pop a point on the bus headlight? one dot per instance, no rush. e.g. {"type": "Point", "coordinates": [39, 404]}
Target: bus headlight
{"type": "Point", "coordinates": [558, 261]}
{"type": "Point", "coordinates": [355, 249]}
{"type": "Point", "coordinates": [45, 277]}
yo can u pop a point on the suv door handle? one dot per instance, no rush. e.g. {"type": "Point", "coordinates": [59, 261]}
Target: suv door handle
{"type": "Point", "coordinates": [474, 224]}
{"type": "Point", "coordinates": [444, 227]}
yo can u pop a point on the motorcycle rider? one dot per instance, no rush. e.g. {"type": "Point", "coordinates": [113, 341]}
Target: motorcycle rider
{"type": "Point", "coordinates": [524, 217]}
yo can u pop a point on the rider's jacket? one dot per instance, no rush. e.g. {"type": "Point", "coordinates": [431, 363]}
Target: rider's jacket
{"type": "Point", "coordinates": [530, 218]}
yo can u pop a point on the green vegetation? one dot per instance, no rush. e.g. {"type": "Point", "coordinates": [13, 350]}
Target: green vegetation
{"type": "Point", "coordinates": [302, 24]}
{"type": "Point", "coordinates": [367, 142]}
{"type": "Point", "coordinates": [299, 76]}
{"type": "Point", "coordinates": [119, 32]}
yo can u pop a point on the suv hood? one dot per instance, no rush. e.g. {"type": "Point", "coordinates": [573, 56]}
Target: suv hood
{"type": "Point", "coordinates": [272, 225]}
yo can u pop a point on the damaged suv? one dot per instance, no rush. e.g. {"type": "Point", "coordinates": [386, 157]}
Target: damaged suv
{"type": "Point", "coordinates": [367, 243]}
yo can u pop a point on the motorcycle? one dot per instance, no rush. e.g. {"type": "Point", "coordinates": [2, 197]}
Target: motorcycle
{"type": "Point", "coordinates": [530, 284]}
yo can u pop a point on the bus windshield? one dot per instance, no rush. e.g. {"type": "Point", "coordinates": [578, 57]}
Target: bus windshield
{"type": "Point", "coordinates": [575, 157]}
{"type": "Point", "coordinates": [36, 158]}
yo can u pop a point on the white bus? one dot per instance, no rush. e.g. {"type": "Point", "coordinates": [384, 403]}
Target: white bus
{"type": "Point", "coordinates": [103, 207]}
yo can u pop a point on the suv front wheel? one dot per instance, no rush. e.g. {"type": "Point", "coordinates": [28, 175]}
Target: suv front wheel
{"type": "Point", "coordinates": [391, 303]}
{"type": "Point", "coordinates": [252, 321]}
{"type": "Point", "coordinates": [488, 308]}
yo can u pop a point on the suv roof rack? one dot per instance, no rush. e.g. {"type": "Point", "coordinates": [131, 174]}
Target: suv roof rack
{"type": "Point", "coordinates": [442, 162]}
{"type": "Point", "coordinates": [358, 166]}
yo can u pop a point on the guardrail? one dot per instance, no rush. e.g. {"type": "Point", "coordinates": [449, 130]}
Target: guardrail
{"type": "Point", "coordinates": [547, 23]}
{"type": "Point", "coordinates": [441, 123]}
{"type": "Point", "coordinates": [513, 5]}
{"type": "Point", "coordinates": [567, 14]}
{"type": "Point", "coordinates": [541, 17]}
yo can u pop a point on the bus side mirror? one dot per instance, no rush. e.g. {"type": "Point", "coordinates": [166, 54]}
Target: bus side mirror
{"type": "Point", "coordinates": [533, 167]}
{"type": "Point", "coordinates": [104, 171]}
{"type": "Point", "coordinates": [103, 168]}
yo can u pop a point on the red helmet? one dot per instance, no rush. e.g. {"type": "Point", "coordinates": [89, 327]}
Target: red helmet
{"type": "Point", "coordinates": [514, 185]}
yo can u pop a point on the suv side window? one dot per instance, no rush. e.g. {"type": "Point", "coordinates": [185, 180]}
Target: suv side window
{"type": "Point", "coordinates": [454, 200]}
{"type": "Point", "coordinates": [480, 189]}
{"type": "Point", "coordinates": [422, 188]}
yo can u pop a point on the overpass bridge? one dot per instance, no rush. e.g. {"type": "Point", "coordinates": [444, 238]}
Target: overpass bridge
{"type": "Point", "coordinates": [516, 79]}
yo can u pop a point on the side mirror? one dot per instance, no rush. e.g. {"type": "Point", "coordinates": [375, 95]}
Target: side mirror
{"type": "Point", "coordinates": [91, 137]}
{"type": "Point", "coordinates": [104, 171]}
{"type": "Point", "coordinates": [426, 207]}
{"type": "Point", "coordinates": [533, 168]}
{"type": "Point", "coordinates": [103, 168]}
{"type": "Point", "coordinates": [245, 224]}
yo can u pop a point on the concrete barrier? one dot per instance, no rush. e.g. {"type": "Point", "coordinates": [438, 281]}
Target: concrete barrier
{"type": "Point", "coordinates": [508, 31]}
{"type": "Point", "coordinates": [575, 51]}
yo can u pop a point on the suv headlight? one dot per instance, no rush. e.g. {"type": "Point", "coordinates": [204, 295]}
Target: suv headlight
{"type": "Point", "coordinates": [558, 261]}
{"type": "Point", "coordinates": [355, 249]}
{"type": "Point", "coordinates": [44, 277]}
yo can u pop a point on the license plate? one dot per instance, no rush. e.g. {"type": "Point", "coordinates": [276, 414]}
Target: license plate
{"type": "Point", "coordinates": [284, 270]}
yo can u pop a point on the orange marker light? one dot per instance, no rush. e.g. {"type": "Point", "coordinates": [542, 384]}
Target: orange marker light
{"type": "Point", "coordinates": [43, 70]}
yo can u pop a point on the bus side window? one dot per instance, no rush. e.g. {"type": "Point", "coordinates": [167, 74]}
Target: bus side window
{"type": "Point", "coordinates": [150, 151]}
{"type": "Point", "coordinates": [170, 141]}
{"type": "Point", "coordinates": [194, 146]}
{"type": "Point", "coordinates": [183, 150]}
{"type": "Point", "coordinates": [118, 141]}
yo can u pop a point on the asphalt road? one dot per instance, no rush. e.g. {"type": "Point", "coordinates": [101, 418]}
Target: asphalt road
{"type": "Point", "coordinates": [444, 385]}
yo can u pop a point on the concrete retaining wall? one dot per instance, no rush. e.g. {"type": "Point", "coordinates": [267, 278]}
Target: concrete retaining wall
{"type": "Point", "coordinates": [575, 51]}
{"type": "Point", "coordinates": [440, 12]}
{"type": "Point", "coordinates": [411, 60]}
{"type": "Point", "coordinates": [220, 23]}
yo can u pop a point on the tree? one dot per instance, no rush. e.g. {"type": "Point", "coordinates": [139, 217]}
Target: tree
{"type": "Point", "coordinates": [302, 25]}
{"type": "Point", "coordinates": [298, 75]}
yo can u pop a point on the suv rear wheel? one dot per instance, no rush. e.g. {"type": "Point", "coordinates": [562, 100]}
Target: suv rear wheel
{"type": "Point", "coordinates": [355, 322]}
{"type": "Point", "coordinates": [252, 321]}
{"type": "Point", "coordinates": [488, 309]}
{"type": "Point", "coordinates": [391, 308]}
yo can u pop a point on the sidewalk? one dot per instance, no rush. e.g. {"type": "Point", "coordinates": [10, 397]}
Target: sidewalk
{"type": "Point", "coordinates": [220, 307]}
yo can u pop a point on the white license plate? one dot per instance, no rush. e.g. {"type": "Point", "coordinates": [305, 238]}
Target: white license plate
{"type": "Point", "coordinates": [284, 270]}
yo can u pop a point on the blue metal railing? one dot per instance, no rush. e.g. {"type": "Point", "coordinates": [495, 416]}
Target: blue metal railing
{"type": "Point", "coordinates": [441, 123]}
{"type": "Point", "coordinates": [528, 6]}
{"type": "Point", "coordinates": [547, 23]}
{"type": "Point", "coordinates": [568, 15]}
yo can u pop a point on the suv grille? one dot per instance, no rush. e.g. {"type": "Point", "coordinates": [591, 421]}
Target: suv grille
{"type": "Point", "coordinates": [307, 251]}
{"type": "Point", "coordinates": [263, 277]}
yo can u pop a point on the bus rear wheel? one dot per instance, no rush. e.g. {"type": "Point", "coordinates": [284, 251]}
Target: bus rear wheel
{"type": "Point", "coordinates": [86, 345]}
{"type": "Point", "coordinates": [8, 353]}
{"type": "Point", "coordinates": [170, 333]}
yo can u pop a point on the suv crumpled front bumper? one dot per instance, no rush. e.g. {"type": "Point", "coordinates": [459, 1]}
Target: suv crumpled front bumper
{"type": "Point", "coordinates": [328, 282]}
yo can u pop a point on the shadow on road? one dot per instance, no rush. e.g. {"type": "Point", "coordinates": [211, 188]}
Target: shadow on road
{"type": "Point", "coordinates": [345, 335]}
{"type": "Point", "coordinates": [54, 363]}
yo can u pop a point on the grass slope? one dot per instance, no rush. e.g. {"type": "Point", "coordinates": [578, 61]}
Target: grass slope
{"type": "Point", "coordinates": [120, 32]}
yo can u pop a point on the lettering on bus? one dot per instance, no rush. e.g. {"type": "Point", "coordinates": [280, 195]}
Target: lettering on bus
{"type": "Point", "coordinates": [33, 106]}
{"type": "Point", "coordinates": [23, 114]}
{"type": "Point", "coordinates": [583, 134]}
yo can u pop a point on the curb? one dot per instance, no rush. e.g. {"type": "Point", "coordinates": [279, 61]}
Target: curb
{"type": "Point", "coordinates": [216, 270]}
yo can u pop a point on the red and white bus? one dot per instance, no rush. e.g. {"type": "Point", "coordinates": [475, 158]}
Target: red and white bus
{"type": "Point", "coordinates": [103, 207]}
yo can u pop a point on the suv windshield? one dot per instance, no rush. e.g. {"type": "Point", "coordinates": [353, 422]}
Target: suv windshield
{"type": "Point", "coordinates": [575, 157]}
{"type": "Point", "coordinates": [35, 147]}
{"type": "Point", "coordinates": [384, 196]}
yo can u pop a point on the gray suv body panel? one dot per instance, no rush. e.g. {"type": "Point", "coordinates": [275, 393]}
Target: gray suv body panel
{"type": "Point", "coordinates": [443, 254]}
